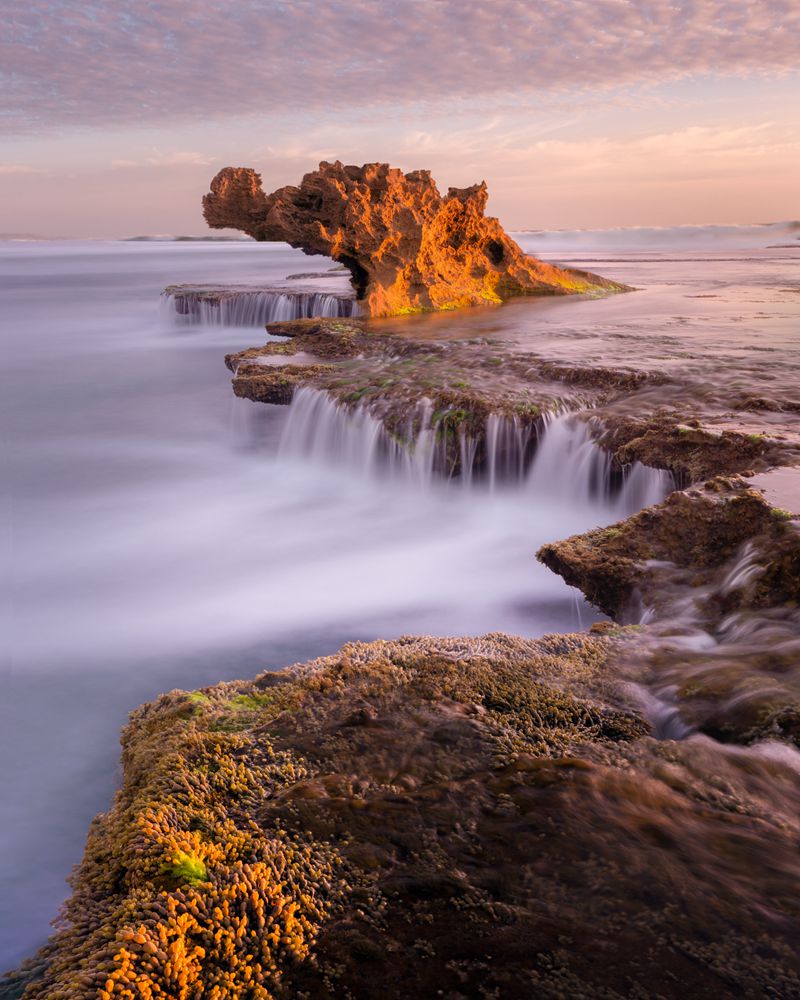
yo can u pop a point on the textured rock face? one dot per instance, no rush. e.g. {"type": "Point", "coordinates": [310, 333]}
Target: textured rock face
{"type": "Point", "coordinates": [700, 531]}
{"type": "Point", "coordinates": [407, 248]}
{"type": "Point", "coordinates": [464, 818]}
{"type": "Point", "coordinates": [718, 568]}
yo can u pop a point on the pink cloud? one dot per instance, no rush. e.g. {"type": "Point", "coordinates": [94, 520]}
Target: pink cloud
{"type": "Point", "coordinates": [123, 62]}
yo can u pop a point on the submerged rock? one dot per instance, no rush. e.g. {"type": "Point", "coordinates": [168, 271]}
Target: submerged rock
{"type": "Point", "coordinates": [430, 817]}
{"type": "Point", "coordinates": [408, 249]}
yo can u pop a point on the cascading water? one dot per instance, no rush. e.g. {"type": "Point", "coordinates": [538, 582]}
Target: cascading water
{"type": "Point", "coordinates": [569, 464]}
{"type": "Point", "coordinates": [561, 462]}
{"type": "Point", "coordinates": [509, 446]}
{"type": "Point", "coordinates": [255, 307]}
{"type": "Point", "coordinates": [322, 430]}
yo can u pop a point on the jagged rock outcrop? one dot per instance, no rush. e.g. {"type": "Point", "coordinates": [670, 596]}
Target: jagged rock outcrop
{"type": "Point", "coordinates": [408, 249]}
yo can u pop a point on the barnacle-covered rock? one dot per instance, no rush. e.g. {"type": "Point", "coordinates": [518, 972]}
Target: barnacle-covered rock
{"type": "Point", "coordinates": [180, 894]}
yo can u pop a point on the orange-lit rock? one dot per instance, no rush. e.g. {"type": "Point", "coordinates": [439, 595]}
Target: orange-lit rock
{"type": "Point", "coordinates": [407, 248]}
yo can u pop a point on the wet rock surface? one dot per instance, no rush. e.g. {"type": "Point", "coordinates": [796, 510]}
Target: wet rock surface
{"type": "Point", "coordinates": [407, 247]}
{"type": "Point", "coordinates": [368, 365]}
{"type": "Point", "coordinates": [715, 574]}
{"type": "Point", "coordinates": [456, 817]}
{"type": "Point", "coordinates": [700, 531]}
{"type": "Point", "coordinates": [391, 374]}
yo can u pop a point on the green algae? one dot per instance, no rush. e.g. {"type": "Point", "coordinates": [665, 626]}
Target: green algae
{"type": "Point", "coordinates": [186, 869]}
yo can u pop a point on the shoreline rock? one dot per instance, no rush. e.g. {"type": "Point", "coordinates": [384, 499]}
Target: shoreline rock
{"type": "Point", "coordinates": [359, 364]}
{"type": "Point", "coordinates": [483, 816]}
{"type": "Point", "coordinates": [407, 248]}
{"type": "Point", "coordinates": [715, 573]}
{"type": "Point", "coordinates": [698, 530]}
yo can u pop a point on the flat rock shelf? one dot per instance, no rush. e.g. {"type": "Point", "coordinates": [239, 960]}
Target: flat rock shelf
{"type": "Point", "coordinates": [245, 305]}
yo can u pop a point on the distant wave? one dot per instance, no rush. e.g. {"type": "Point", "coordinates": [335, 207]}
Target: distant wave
{"type": "Point", "coordinates": [666, 238]}
{"type": "Point", "coordinates": [188, 239]}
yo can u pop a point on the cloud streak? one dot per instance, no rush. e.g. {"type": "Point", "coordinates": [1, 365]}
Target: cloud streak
{"type": "Point", "coordinates": [17, 169]}
{"type": "Point", "coordinates": [180, 158]}
{"type": "Point", "coordinates": [141, 62]}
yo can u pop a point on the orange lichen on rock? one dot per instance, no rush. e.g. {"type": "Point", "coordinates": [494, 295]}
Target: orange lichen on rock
{"type": "Point", "coordinates": [180, 895]}
{"type": "Point", "coordinates": [458, 817]}
{"type": "Point", "coordinates": [408, 249]}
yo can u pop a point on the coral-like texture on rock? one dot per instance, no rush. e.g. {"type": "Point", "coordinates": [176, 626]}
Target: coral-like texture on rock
{"type": "Point", "coordinates": [465, 818]}
{"type": "Point", "coordinates": [180, 895]}
{"type": "Point", "coordinates": [408, 249]}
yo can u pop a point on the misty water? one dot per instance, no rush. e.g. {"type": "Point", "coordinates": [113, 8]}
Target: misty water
{"type": "Point", "coordinates": [160, 533]}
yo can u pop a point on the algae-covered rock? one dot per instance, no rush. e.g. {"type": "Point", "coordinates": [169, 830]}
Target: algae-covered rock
{"type": "Point", "coordinates": [690, 451]}
{"type": "Point", "coordinates": [716, 572]}
{"type": "Point", "coordinates": [265, 384]}
{"type": "Point", "coordinates": [698, 530]}
{"type": "Point", "coordinates": [431, 817]}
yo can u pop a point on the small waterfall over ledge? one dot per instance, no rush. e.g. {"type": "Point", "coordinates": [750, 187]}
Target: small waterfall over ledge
{"type": "Point", "coordinates": [252, 306]}
{"type": "Point", "coordinates": [556, 456]}
{"type": "Point", "coordinates": [569, 464]}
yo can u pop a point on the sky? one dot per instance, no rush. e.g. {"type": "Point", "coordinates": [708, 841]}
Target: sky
{"type": "Point", "coordinates": [115, 115]}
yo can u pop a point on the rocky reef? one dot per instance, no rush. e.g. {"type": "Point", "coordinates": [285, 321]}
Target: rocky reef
{"type": "Point", "coordinates": [430, 817]}
{"type": "Point", "coordinates": [609, 815]}
{"type": "Point", "coordinates": [407, 247]}
{"type": "Point", "coordinates": [698, 532]}
{"type": "Point", "coordinates": [366, 366]}
{"type": "Point", "coordinates": [716, 572]}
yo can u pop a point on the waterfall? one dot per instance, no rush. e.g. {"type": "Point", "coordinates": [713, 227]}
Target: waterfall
{"type": "Point", "coordinates": [253, 307]}
{"type": "Point", "coordinates": [569, 464]}
{"type": "Point", "coordinates": [508, 448]}
{"type": "Point", "coordinates": [557, 458]}
{"type": "Point", "coordinates": [321, 429]}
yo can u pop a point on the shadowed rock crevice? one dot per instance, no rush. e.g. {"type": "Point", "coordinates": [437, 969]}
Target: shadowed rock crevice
{"type": "Point", "coordinates": [408, 249]}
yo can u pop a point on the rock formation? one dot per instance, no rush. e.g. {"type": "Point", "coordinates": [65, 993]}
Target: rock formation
{"type": "Point", "coordinates": [408, 249]}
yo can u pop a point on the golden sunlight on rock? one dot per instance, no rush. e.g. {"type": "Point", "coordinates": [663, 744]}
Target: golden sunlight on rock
{"type": "Point", "coordinates": [408, 249]}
